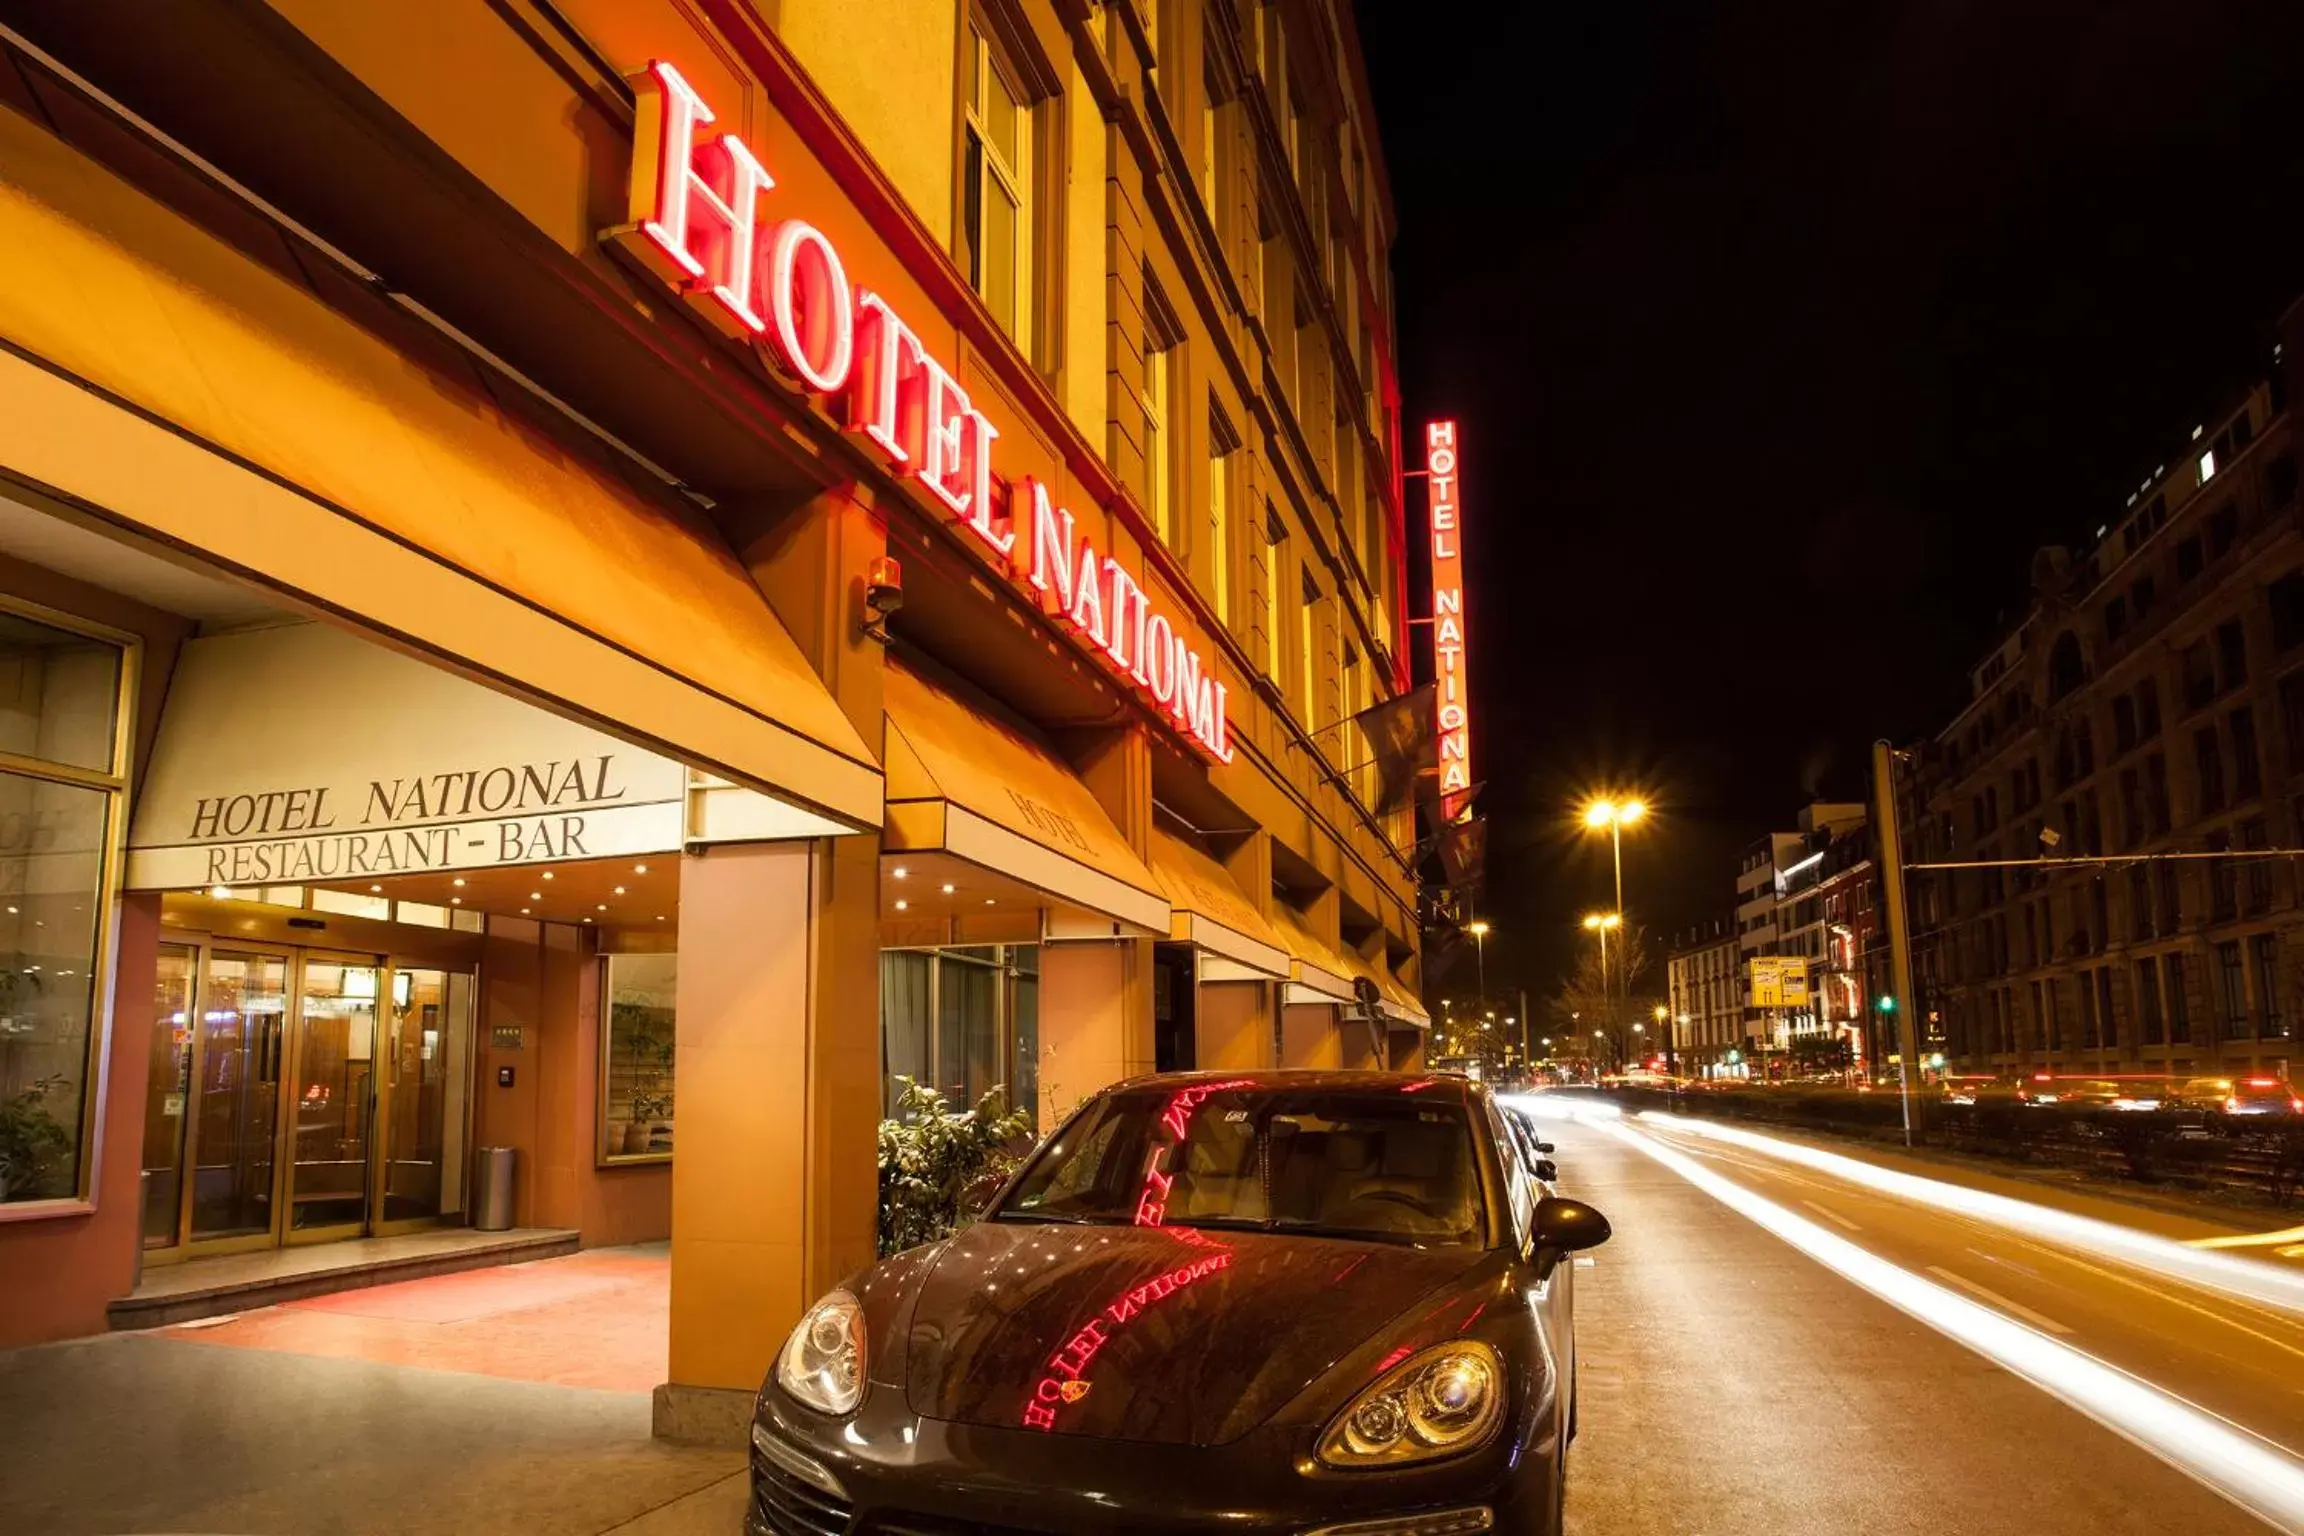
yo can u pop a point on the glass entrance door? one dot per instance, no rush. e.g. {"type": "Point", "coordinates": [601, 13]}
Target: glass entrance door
{"type": "Point", "coordinates": [334, 1111]}
{"type": "Point", "coordinates": [299, 1097]}
{"type": "Point", "coordinates": [240, 1019]}
{"type": "Point", "coordinates": [425, 1072]}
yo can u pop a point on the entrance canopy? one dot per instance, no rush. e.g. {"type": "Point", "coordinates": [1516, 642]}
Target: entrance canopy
{"type": "Point", "coordinates": [303, 755]}
{"type": "Point", "coordinates": [1318, 971]}
{"type": "Point", "coordinates": [206, 400]}
{"type": "Point", "coordinates": [962, 783]}
{"type": "Point", "coordinates": [1211, 913]}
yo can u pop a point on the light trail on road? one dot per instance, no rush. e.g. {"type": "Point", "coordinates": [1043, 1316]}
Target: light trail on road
{"type": "Point", "coordinates": [2208, 1268]}
{"type": "Point", "coordinates": [2253, 1473]}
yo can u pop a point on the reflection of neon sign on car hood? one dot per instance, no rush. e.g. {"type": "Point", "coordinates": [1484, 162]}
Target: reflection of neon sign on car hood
{"type": "Point", "coordinates": [1068, 1367]}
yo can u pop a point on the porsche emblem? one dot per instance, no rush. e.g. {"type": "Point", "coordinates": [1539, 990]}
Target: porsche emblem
{"type": "Point", "coordinates": [1073, 1391]}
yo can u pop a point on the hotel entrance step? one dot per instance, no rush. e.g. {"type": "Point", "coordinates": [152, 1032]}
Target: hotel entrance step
{"type": "Point", "coordinates": [242, 1282]}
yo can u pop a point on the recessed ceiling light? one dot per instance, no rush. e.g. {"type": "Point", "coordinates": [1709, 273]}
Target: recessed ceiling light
{"type": "Point", "coordinates": [547, 874]}
{"type": "Point", "coordinates": [987, 901]}
{"type": "Point", "coordinates": [903, 906]}
{"type": "Point", "coordinates": [600, 908]}
{"type": "Point", "coordinates": [535, 895]}
{"type": "Point", "coordinates": [619, 890]}
{"type": "Point", "coordinates": [455, 901]}
{"type": "Point", "coordinates": [375, 888]}
{"type": "Point", "coordinates": [458, 882]}
{"type": "Point", "coordinates": [220, 892]}
{"type": "Point", "coordinates": [11, 911]}
{"type": "Point", "coordinates": [639, 869]}
{"type": "Point", "coordinates": [947, 890]}
{"type": "Point", "coordinates": [523, 911]}
{"type": "Point", "coordinates": [587, 919]}
{"type": "Point", "coordinates": [900, 872]}
{"type": "Point", "coordinates": [659, 917]}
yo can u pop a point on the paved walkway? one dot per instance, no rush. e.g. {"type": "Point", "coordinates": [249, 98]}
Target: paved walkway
{"type": "Point", "coordinates": [510, 1399]}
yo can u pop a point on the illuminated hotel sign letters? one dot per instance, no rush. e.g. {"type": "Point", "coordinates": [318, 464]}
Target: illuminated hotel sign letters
{"type": "Point", "coordinates": [1448, 669]}
{"type": "Point", "coordinates": [696, 206]}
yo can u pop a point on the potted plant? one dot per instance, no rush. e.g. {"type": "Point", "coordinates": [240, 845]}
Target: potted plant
{"type": "Point", "coordinates": [648, 1052]}
{"type": "Point", "coordinates": [34, 1145]}
{"type": "Point", "coordinates": [939, 1165]}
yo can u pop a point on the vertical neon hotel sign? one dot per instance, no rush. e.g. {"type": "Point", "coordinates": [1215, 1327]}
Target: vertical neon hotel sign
{"type": "Point", "coordinates": [1455, 696]}
{"type": "Point", "coordinates": [696, 210]}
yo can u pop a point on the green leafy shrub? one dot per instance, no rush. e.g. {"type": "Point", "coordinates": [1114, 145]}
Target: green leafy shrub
{"type": "Point", "coordinates": [938, 1164]}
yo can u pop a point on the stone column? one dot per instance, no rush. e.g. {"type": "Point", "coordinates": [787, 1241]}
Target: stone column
{"type": "Point", "coordinates": [1232, 1029]}
{"type": "Point", "coordinates": [778, 1095]}
{"type": "Point", "coordinates": [1309, 1036]}
{"type": "Point", "coordinates": [1095, 1019]}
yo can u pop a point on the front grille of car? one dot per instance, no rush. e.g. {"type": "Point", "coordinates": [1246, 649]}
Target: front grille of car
{"type": "Point", "coordinates": [930, 1525]}
{"type": "Point", "coordinates": [790, 1507]}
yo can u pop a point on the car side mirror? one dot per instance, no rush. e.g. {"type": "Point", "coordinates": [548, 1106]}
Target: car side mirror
{"type": "Point", "coordinates": [1545, 1147]}
{"type": "Point", "coordinates": [1547, 1170]}
{"type": "Point", "coordinates": [1569, 1226]}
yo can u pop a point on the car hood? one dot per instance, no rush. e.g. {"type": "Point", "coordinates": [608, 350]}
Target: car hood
{"type": "Point", "coordinates": [1164, 1334]}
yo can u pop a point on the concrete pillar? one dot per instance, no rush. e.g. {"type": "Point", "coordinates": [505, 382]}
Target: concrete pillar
{"type": "Point", "coordinates": [777, 1074]}
{"type": "Point", "coordinates": [1309, 1037]}
{"type": "Point", "coordinates": [1408, 1049]}
{"type": "Point", "coordinates": [1233, 1030]}
{"type": "Point", "coordinates": [1095, 1020]}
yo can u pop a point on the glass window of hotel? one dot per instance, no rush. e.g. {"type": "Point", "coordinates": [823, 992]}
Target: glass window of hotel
{"type": "Point", "coordinates": [62, 696]}
{"type": "Point", "coordinates": [1223, 444]}
{"type": "Point", "coordinates": [963, 1021]}
{"type": "Point", "coordinates": [1163, 348]}
{"type": "Point", "coordinates": [1275, 569]}
{"type": "Point", "coordinates": [637, 1056]}
{"type": "Point", "coordinates": [1215, 128]}
{"type": "Point", "coordinates": [996, 228]}
{"type": "Point", "coordinates": [1308, 632]}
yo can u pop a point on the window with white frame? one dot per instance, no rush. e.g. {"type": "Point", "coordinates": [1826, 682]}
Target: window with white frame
{"type": "Point", "coordinates": [1275, 568]}
{"type": "Point", "coordinates": [1163, 346]}
{"type": "Point", "coordinates": [996, 213]}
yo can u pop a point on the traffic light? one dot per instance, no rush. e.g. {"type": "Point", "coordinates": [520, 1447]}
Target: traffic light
{"type": "Point", "coordinates": [1886, 1004]}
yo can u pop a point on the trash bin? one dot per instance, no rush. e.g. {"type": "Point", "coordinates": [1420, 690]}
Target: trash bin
{"type": "Point", "coordinates": [492, 1188]}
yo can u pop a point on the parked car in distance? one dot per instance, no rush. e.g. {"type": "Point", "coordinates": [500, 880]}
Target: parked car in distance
{"type": "Point", "coordinates": [1313, 1302]}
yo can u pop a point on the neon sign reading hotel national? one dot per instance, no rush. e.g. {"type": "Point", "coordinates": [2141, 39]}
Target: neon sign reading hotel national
{"type": "Point", "coordinates": [1448, 618]}
{"type": "Point", "coordinates": [696, 225]}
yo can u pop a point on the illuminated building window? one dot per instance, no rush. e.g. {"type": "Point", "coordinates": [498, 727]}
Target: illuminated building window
{"type": "Point", "coordinates": [1163, 345]}
{"type": "Point", "coordinates": [1307, 632]}
{"type": "Point", "coordinates": [1275, 567]}
{"type": "Point", "coordinates": [2208, 466]}
{"type": "Point", "coordinates": [996, 214]}
{"type": "Point", "coordinates": [1223, 443]}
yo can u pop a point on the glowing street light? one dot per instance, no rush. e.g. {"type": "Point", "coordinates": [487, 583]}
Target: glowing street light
{"type": "Point", "coordinates": [1478, 928]}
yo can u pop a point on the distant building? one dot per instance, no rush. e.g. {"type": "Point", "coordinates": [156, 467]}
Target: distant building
{"type": "Point", "coordinates": [1707, 1001]}
{"type": "Point", "coordinates": [2150, 701]}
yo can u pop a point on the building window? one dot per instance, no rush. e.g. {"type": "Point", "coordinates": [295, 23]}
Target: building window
{"type": "Point", "coordinates": [1163, 345]}
{"type": "Point", "coordinates": [2264, 961]}
{"type": "Point", "coordinates": [1275, 569]}
{"type": "Point", "coordinates": [2179, 1000]}
{"type": "Point", "coordinates": [2223, 530]}
{"type": "Point", "coordinates": [2208, 466]}
{"type": "Point", "coordinates": [2208, 756]}
{"type": "Point", "coordinates": [2223, 882]}
{"type": "Point", "coordinates": [2106, 1017]}
{"type": "Point", "coordinates": [2199, 675]}
{"type": "Point", "coordinates": [63, 692]}
{"type": "Point", "coordinates": [2091, 1032]}
{"type": "Point", "coordinates": [2123, 723]}
{"type": "Point", "coordinates": [2258, 887]}
{"type": "Point", "coordinates": [2189, 560]}
{"type": "Point", "coordinates": [2156, 791]}
{"type": "Point", "coordinates": [2287, 600]}
{"type": "Point", "coordinates": [996, 203]}
{"type": "Point", "coordinates": [637, 1056]}
{"type": "Point", "coordinates": [2152, 1024]}
{"type": "Point", "coordinates": [2140, 903]}
{"type": "Point", "coordinates": [2231, 991]}
{"type": "Point", "coordinates": [2247, 764]}
{"type": "Point", "coordinates": [1215, 122]}
{"type": "Point", "coordinates": [2231, 655]}
{"type": "Point", "coordinates": [1223, 443]}
{"type": "Point", "coordinates": [2148, 709]}
{"type": "Point", "coordinates": [2051, 1026]}
{"type": "Point", "coordinates": [1307, 622]}
{"type": "Point", "coordinates": [963, 1021]}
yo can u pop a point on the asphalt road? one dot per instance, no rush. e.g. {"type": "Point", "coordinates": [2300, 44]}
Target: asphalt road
{"type": "Point", "coordinates": [1731, 1383]}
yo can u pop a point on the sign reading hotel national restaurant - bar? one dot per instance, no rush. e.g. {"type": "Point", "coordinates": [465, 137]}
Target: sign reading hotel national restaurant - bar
{"type": "Point", "coordinates": [303, 755]}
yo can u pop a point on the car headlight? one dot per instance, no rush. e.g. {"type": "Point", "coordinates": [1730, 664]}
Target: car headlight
{"type": "Point", "coordinates": [823, 1362]}
{"type": "Point", "coordinates": [1442, 1402]}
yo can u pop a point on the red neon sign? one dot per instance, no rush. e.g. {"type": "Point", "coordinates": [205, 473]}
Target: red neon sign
{"type": "Point", "coordinates": [1448, 668]}
{"type": "Point", "coordinates": [696, 209]}
{"type": "Point", "coordinates": [1152, 1202]}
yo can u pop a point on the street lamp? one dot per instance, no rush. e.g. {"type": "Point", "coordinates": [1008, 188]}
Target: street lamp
{"type": "Point", "coordinates": [1615, 815]}
{"type": "Point", "coordinates": [1671, 1040]}
{"type": "Point", "coordinates": [1602, 923]}
{"type": "Point", "coordinates": [1478, 928]}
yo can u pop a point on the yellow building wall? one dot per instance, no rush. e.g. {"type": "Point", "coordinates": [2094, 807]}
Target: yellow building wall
{"type": "Point", "coordinates": [890, 69]}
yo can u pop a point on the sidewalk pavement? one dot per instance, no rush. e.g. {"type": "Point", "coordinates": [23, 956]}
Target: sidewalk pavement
{"type": "Point", "coordinates": [512, 1399]}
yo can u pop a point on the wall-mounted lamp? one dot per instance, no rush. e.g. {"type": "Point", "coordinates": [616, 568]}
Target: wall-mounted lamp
{"type": "Point", "coordinates": [883, 595]}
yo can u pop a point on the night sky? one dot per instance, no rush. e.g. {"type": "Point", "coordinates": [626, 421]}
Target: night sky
{"type": "Point", "coordinates": [1781, 336]}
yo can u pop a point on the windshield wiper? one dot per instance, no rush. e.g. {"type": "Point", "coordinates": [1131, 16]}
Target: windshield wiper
{"type": "Point", "coordinates": [1358, 1234]}
{"type": "Point", "coordinates": [1221, 1223]}
{"type": "Point", "coordinates": [1057, 1219]}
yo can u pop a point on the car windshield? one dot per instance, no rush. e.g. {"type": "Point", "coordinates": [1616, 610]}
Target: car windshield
{"type": "Point", "coordinates": [1383, 1166]}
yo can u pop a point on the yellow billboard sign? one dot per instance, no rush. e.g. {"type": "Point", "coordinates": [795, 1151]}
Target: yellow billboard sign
{"type": "Point", "coordinates": [1778, 981]}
